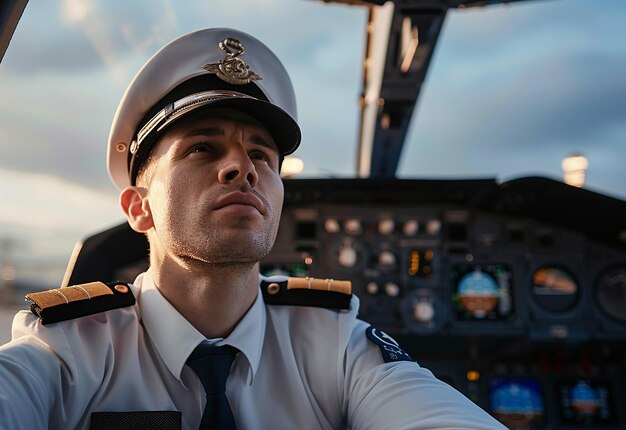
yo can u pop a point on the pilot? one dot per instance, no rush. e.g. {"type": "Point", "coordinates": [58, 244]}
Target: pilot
{"type": "Point", "coordinates": [201, 340]}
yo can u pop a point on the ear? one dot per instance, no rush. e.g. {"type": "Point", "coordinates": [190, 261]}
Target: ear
{"type": "Point", "coordinates": [137, 208]}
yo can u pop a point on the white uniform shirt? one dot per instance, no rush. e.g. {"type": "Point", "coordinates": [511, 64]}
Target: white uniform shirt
{"type": "Point", "coordinates": [299, 368]}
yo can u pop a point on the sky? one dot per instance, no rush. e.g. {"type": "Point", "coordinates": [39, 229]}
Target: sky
{"type": "Point", "coordinates": [511, 91]}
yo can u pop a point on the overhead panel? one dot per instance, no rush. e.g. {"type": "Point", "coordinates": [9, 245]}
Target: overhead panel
{"type": "Point", "coordinates": [401, 38]}
{"type": "Point", "coordinates": [393, 77]}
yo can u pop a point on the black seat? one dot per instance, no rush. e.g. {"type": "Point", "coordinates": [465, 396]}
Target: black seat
{"type": "Point", "coordinates": [116, 254]}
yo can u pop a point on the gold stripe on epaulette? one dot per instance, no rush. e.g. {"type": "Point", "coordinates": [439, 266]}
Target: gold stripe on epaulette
{"type": "Point", "coordinates": [344, 287]}
{"type": "Point", "coordinates": [65, 295]}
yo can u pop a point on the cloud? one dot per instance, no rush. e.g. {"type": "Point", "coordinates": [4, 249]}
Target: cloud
{"type": "Point", "coordinates": [56, 126]}
{"type": "Point", "coordinates": [508, 103]}
{"type": "Point", "coordinates": [44, 217]}
{"type": "Point", "coordinates": [562, 97]}
{"type": "Point", "coordinates": [82, 36]}
{"type": "Point", "coordinates": [35, 203]}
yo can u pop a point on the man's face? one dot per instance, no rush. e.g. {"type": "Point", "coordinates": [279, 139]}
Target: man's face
{"type": "Point", "coordinates": [214, 189]}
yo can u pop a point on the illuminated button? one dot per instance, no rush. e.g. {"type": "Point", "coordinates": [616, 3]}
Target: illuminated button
{"type": "Point", "coordinates": [386, 226]}
{"type": "Point", "coordinates": [423, 311]}
{"type": "Point", "coordinates": [392, 289]}
{"type": "Point", "coordinates": [386, 258]}
{"type": "Point", "coordinates": [352, 226]}
{"type": "Point", "coordinates": [414, 262]}
{"type": "Point", "coordinates": [410, 227]}
{"type": "Point", "coordinates": [473, 375]}
{"type": "Point", "coordinates": [372, 288]}
{"type": "Point", "coordinates": [433, 227]}
{"type": "Point", "coordinates": [331, 225]}
{"type": "Point", "coordinates": [347, 256]}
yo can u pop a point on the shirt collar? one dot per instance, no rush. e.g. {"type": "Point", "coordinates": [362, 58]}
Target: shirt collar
{"type": "Point", "coordinates": [249, 334]}
{"type": "Point", "coordinates": [175, 338]}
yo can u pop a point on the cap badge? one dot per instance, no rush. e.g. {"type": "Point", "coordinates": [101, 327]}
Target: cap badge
{"type": "Point", "coordinates": [232, 69]}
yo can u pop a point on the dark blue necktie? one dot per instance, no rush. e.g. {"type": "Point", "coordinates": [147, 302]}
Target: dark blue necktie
{"type": "Point", "coordinates": [212, 364]}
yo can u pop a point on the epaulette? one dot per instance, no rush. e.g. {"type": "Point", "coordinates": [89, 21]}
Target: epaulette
{"type": "Point", "coordinates": [323, 293]}
{"type": "Point", "coordinates": [77, 301]}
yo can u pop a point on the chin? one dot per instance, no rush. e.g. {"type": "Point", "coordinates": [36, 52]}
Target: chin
{"type": "Point", "coordinates": [239, 250]}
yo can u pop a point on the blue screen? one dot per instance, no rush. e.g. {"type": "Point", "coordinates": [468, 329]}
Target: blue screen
{"type": "Point", "coordinates": [586, 403]}
{"type": "Point", "coordinates": [517, 403]}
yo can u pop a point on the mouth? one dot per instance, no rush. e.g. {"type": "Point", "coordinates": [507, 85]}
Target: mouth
{"type": "Point", "coordinates": [241, 199]}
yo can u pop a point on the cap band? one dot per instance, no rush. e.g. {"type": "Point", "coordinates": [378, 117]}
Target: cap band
{"type": "Point", "coordinates": [174, 110]}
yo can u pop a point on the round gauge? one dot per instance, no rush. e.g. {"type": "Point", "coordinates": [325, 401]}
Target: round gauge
{"type": "Point", "coordinates": [611, 293]}
{"type": "Point", "coordinates": [423, 311]}
{"type": "Point", "coordinates": [554, 289]}
{"type": "Point", "coordinates": [348, 253]}
{"type": "Point", "coordinates": [478, 293]}
{"type": "Point", "coordinates": [482, 292]}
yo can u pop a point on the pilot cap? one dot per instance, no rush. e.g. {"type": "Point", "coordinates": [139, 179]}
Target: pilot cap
{"type": "Point", "coordinates": [217, 67]}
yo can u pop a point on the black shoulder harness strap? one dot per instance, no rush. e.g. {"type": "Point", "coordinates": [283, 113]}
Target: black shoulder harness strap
{"type": "Point", "coordinates": [77, 301]}
{"type": "Point", "coordinates": [323, 293]}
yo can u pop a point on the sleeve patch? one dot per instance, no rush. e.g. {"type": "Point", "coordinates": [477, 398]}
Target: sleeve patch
{"type": "Point", "coordinates": [390, 349]}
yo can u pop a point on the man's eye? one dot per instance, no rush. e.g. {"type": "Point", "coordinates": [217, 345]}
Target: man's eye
{"type": "Point", "coordinates": [200, 148]}
{"type": "Point", "coordinates": [259, 155]}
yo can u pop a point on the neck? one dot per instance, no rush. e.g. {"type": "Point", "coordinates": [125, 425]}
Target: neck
{"type": "Point", "coordinates": [212, 297]}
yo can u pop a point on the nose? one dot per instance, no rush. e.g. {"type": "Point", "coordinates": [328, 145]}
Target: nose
{"type": "Point", "coordinates": [238, 166]}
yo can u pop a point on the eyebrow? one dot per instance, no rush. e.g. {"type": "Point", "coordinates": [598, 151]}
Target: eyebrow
{"type": "Point", "coordinates": [219, 131]}
{"type": "Point", "coordinates": [258, 140]}
{"type": "Point", "coordinates": [206, 131]}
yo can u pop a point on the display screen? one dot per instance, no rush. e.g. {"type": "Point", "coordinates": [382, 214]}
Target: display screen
{"type": "Point", "coordinates": [586, 403]}
{"type": "Point", "coordinates": [482, 292]}
{"type": "Point", "coordinates": [517, 403]}
{"type": "Point", "coordinates": [554, 289]}
{"type": "Point", "coordinates": [298, 270]}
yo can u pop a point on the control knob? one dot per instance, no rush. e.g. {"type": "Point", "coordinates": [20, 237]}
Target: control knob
{"type": "Point", "coordinates": [386, 226]}
{"type": "Point", "coordinates": [347, 256]}
{"type": "Point", "coordinates": [392, 289]}
{"type": "Point", "coordinates": [423, 311]}
{"type": "Point", "coordinates": [386, 258]}
{"type": "Point", "coordinates": [352, 226]}
{"type": "Point", "coordinates": [410, 227]}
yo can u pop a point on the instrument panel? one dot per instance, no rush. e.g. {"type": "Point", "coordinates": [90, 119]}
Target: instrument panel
{"type": "Point", "coordinates": [449, 269]}
{"type": "Point", "coordinates": [513, 293]}
{"type": "Point", "coordinates": [524, 313]}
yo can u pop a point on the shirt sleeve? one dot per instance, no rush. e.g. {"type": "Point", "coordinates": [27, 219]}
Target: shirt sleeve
{"type": "Point", "coordinates": [401, 394]}
{"type": "Point", "coordinates": [30, 375]}
{"type": "Point", "coordinates": [50, 374]}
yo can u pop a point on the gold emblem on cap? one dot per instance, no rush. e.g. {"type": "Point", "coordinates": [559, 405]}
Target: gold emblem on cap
{"type": "Point", "coordinates": [232, 69]}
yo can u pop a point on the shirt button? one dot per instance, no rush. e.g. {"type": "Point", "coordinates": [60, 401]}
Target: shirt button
{"type": "Point", "coordinates": [121, 289]}
{"type": "Point", "coordinates": [273, 288]}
